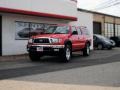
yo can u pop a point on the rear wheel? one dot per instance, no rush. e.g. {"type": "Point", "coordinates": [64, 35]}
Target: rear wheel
{"type": "Point", "coordinates": [34, 56]}
{"type": "Point", "coordinates": [86, 51]}
{"type": "Point", "coordinates": [109, 48]}
{"type": "Point", "coordinates": [67, 53]}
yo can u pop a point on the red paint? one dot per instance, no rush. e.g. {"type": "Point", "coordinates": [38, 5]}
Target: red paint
{"type": "Point", "coordinates": [26, 12]}
{"type": "Point", "coordinates": [59, 44]}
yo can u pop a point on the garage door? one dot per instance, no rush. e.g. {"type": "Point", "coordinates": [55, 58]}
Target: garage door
{"type": "Point", "coordinates": [96, 27]}
{"type": "Point", "coordinates": [0, 35]}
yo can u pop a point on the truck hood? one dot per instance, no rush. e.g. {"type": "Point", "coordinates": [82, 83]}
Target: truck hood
{"type": "Point", "coordinates": [51, 36]}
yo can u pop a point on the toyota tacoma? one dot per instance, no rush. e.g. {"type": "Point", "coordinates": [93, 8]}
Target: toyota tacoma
{"type": "Point", "coordinates": [59, 40]}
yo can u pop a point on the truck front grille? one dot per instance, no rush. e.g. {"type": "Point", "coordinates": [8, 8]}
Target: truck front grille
{"type": "Point", "coordinates": [41, 40]}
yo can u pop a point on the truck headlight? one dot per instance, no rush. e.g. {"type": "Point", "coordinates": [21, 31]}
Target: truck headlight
{"type": "Point", "coordinates": [30, 40]}
{"type": "Point", "coordinates": [55, 40]}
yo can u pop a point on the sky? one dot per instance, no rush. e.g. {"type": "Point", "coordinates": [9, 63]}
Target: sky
{"type": "Point", "coordinates": [92, 4]}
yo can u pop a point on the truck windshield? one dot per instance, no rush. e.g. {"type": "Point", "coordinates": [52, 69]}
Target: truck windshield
{"type": "Point", "coordinates": [57, 30]}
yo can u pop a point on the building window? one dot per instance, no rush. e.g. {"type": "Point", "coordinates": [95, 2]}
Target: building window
{"type": "Point", "coordinates": [24, 30]}
{"type": "Point", "coordinates": [109, 29]}
{"type": "Point", "coordinates": [117, 30]}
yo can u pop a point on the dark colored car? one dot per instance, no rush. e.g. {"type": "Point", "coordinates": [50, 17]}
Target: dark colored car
{"type": "Point", "coordinates": [116, 40]}
{"type": "Point", "coordinates": [101, 42]}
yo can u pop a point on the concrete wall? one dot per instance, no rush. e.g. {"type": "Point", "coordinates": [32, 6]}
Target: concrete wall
{"type": "Point", "coordinates": [85, 19]}
{"type": "Point", "coordinates": [10, 46]}
{"type": "Point", "coordinates": [60, 7]}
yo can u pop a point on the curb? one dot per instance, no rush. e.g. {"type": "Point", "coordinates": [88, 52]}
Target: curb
{"type": "Point", "coordinates": [14, 58]}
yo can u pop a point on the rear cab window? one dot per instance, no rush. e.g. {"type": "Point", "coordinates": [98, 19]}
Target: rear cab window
{"type": "Point", "coordinates": [84, 30]}
{"type": "Point", "coordinates": [79, 31]}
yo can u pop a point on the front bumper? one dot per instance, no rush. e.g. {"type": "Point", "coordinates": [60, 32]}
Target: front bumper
{"type": "Point", "coordinates": [46, 49]}
{"type": "Point", "coordinates": [108, 46]}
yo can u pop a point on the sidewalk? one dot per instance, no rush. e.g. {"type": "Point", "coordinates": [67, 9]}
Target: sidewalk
{"type": "Point", "coordinates": [14, 57]}
{"type": "Point", "coordinates": [23, 85]}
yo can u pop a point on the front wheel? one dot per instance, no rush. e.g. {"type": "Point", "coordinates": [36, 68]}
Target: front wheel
{"type": "Point", "coordinates": [86, 51]}
{"type": "Point", "coordinates": [67, 53]}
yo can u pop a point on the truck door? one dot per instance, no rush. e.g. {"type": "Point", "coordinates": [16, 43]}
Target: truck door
{"type": "Point", "coordinates": [74, 38]}
{"type": "Point", "coordinates": [81, 38]}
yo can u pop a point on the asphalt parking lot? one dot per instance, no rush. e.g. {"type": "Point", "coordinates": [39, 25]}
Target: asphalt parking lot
{"type": "Point", "coordinates": [101, 68]}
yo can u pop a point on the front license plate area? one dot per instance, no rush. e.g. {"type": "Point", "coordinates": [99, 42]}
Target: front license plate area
{"type": "Point", "coordinates": [40, 49]}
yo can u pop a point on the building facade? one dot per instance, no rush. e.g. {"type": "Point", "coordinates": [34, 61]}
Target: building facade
{"type": "Point", "coordinates": [18, 20]}
{"type": "Point", "coordinates": [104, 24]}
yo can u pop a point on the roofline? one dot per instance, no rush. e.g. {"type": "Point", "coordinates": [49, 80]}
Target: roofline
{"type": "Point", "coordinates": [33, 13]}
{"type": "Point", "coordinates": [94, 12]}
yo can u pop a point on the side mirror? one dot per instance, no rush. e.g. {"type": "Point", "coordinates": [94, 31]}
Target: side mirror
{"type": "Point", "coordinates": [74, 33]}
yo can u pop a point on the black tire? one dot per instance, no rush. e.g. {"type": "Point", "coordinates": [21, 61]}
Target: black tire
{"type": "Point", "coordinates": [86, 50]}
{"type": "Point", "coordinates": [109, 48]}
{"type": "Point", "coordinates": [100, 47]}
{"type": "Point", "coordinates": [34, 56]}
{"type": "Point", "coordinates": [67, 53]}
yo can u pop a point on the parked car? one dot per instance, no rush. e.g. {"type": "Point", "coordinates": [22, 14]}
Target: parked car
{"type": "Point", "coordinates": [113, 42]}
{"type": "Point", "coordinates": [101, 42]}
{"type": "Point", "coordinates": [59, 40]}
{"type": "Point", "coordinates": [116, 40]}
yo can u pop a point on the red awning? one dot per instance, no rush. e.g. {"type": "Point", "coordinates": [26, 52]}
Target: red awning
{"type": "Point", "coordinates": [25, 12]}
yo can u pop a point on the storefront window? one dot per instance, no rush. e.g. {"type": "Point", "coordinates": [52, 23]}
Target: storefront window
{"type": "Point", "coordinates": [117, 30]}
{"type": "Point", "coordinates": [24, 30]}
{"type": "Point", "coordinates": [109, 29]}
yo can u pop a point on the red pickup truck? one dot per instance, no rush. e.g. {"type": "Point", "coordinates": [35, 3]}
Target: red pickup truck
{"type": "Point", "coordinates": [59, 40]}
